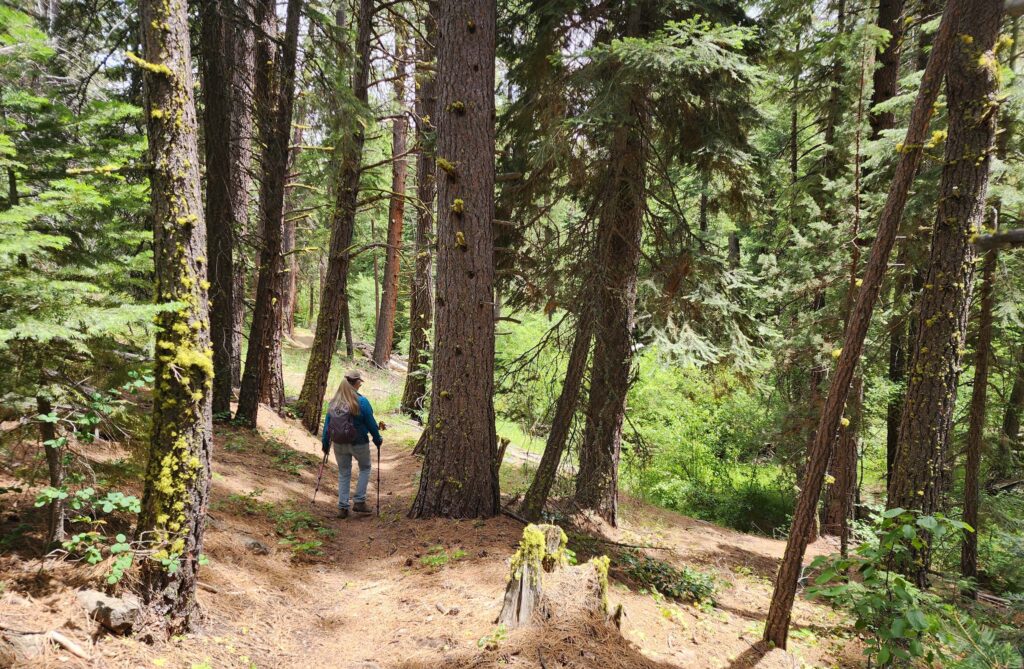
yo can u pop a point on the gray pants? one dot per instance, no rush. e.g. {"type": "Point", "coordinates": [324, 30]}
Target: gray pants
{"type": "Point", "coordinates": [344, 453]}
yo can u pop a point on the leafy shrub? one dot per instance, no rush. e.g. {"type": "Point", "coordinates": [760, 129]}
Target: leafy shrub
{"type": "Point", "coordinates": [901, 622]}
{"type": "Point", "coordinates": [684, 584]}
{"type": "Point", "coordinates": [96, 544]}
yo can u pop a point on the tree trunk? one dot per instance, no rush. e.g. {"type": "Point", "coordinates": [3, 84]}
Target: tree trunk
{"type": "Point", "coordinates": [385, 332]}
{"type": "Point", "coordinates": [537, 495]}
{"type": "Point", "coordinates": [901, 329]}
{"type": "Point", "coordinates": [832, 162]}
{"type": "Point", "coordinates": [262, 376]}
{"type": "Point", "coordinates": [55, 469]}
{"type": "Point", "coordinates": [242, 83]}
{"type": "Point", "coordinates": [1009, 439]}
{"type": "Point", "coordinates": [976, 427]}
{"type": "Point", "coordinates": [777, 622]}
{"type": "Point", "coordinates": [619, 233]}
{"type": "Point", "coordinates": [460, 473]}
{"type": "Point", "coordinates": [885, 78]}
{"type": "Point", "coordinates": [839, 498]}
{"type": "Point", "coordinates": [620, 226]}
{"type": "Point", "coordinates": [217, 73]}
{"type": "Point", "coordinates": [421, 302]}
{"type": "Point", "coordinates": [922, 467]}
{"type": "Point", "coordinates": [289, 223]}
{"type": "Point", "coordinates": [177, 477]}
{"type": "Point", "coordinates": [334, 299]}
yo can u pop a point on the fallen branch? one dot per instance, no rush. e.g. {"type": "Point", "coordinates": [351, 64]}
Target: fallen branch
{"type": "Point", "coordinates": [68, 645]}
{"type": "Point", "coordinates": [1000, 239]}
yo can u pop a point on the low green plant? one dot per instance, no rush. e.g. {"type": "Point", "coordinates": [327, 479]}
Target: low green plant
{"type": "Point", "coordinates": [438, 556]}
{"type": "Point", "coordinates": [493, 640]}
{"type": "Point", "coordinates": [684, 584]}
{"type": "Point", "coordinates": [287, 459]}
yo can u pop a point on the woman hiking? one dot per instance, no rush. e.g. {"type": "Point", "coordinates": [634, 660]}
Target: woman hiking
{"type": "Point", "coordinates": [349, 425]}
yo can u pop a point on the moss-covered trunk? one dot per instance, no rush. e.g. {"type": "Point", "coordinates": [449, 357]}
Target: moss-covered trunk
{"type": "Point", "coordinates": [178, 472]}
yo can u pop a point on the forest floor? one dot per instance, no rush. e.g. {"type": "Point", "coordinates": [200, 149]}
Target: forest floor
{"type": "Point", "coordinates": [387, 591]}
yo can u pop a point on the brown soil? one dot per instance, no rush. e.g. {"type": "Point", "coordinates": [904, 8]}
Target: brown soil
{"type": "Point", "coordinates": [372, 598]}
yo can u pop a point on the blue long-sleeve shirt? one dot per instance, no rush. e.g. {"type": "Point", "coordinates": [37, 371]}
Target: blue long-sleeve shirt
{"type": "Point", "coordinates": [364, 423]}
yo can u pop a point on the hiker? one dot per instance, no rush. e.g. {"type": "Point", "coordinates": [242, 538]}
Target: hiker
{"type": "Point", "coordinates": [349, 425]}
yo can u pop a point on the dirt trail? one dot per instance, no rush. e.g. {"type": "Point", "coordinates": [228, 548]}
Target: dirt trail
{"type": "Point", "coordinates": [379, 594]}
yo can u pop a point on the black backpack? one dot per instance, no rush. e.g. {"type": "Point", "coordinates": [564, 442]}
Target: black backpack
{"type": "Point", "coordinates": [342, 428]}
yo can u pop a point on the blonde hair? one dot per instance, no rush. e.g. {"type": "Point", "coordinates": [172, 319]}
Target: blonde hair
{"type": "Point", "coordinates": [346, 394]}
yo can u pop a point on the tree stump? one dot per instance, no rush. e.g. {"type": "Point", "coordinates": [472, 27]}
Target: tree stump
{"type": "Point", "coordinates": [542, 549]}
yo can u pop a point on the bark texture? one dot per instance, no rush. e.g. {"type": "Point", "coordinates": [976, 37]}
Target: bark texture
{"type": "Point", "coordinates": [885, 79]}
{"type": "Point", "coordinates": [906, 287]}
{"type": "Point", "coordinates": [976, 425]}
{"type": "Point", "coordinates": [177, 478]}
{"type": "Point", "coordinates": [781, 608]}
{"type": "Point", "coordinates": [334, 299]}
{"type": "Point", "coordinates": [620, 225]}
{"type": "Point", "coordinates": [217, 73]}
{"type": "Point", "coordinates": [262, 377]}
{"type": "Point", "coordinates": [460, 472]}
{"type": "Point", "coordinates": [421, 301]}
{"type": "Point", "coordinates": [242, 81]}
{"type": "Point", "coordinates": [55, 470]}
{"type": "Point", "coordinates": [921, 470]}
{"type": "Point", "coordinates": [385, 332]}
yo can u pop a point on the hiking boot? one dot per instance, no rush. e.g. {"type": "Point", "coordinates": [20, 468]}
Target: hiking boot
{"type": "Point", "coordinates": [360, 507]}
{"type": "Point", "coordinates": [343, 513]}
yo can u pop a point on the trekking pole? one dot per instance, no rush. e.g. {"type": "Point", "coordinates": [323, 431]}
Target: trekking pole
{"type": "Point", "coordinates": [378, 481]}
{"type": "Point", "coordinates": [320, 474]}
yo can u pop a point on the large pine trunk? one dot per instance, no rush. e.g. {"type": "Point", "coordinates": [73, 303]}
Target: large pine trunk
{"type": "Point", "coordinates": [217, 73]}
{"type": "Point", "coordinates": [242, 82]}
{"type": "Point", "coordinates": [537, 495]}
{"type": "Point", "coordinates": [460, 472]}
{"type": "Point", "coordinates": [907, 285]}
{"type": "Point", "coordinates": [421, 301]}
{"type": "Point", "coordinates": [334, 299]}
{"type": "Point", "coordinates": [620, 226]}
{"type": "Point", "coordinates": [922, 467]}
{"type": "Point", "coordinates": [781, 608]}
{"type": "Point", "coordinates": [262, 377]}
{"type": "Point", "coordinates": [177, 477]}
{"type": "Point", "coordinates": [385, 332]}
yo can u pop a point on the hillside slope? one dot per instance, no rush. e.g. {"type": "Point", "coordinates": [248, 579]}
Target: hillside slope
{"type": "Point", "coordinates": [378, 592]}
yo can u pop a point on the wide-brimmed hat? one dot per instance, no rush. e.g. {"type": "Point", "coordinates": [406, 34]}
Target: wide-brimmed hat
{"type": "Point", "coordinates": [354, 375]}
